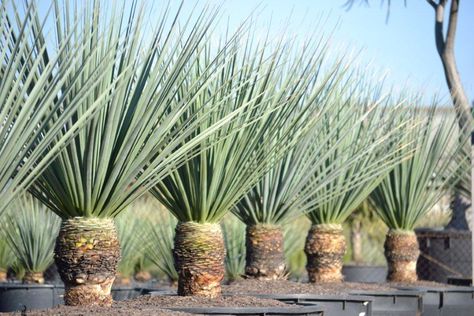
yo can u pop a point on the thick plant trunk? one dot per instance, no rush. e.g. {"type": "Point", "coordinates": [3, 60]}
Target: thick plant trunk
{"type": "Point", "coordinates": [325, 247]}
{"type": "Point", "coordinates": [33, 278]}
{"type": "Point", "coordinates": [87, 253]}
{"type": "Point", "coordinates": [3, 276]}
{"type": "Point", "coordinates": [265, 257]}
{"type": "Point", "coordinates": [401, 252]}
{"type": "Point", "coordinates": [199, 259]}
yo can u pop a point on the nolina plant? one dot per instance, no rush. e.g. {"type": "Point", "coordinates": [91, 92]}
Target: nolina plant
{"type": "Point", "coordinates": [6, 255]}
{"type": "Point", "coordinates": [277, 107]}
{"type": "Point", "coordinates": [325, 177]}
{"type": "Point", "coordinates": [377, 142]}
{"type": "Point", "coordinates": [137, 137]}
{"type": "Point", "coordinates": [414, 186]}
{"type": "Point", "coordinates": [34, 103]}
{"type": "Point", "coordinates": [31, 235]}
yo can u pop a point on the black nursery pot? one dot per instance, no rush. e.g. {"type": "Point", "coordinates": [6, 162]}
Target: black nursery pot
{"type": "Point", "coordinates": [122, 293]}
{"type": "Point", "coordinates": [303, 309]}
{"type": "Point", "coordinates": [25, 297]}
{"type": "Point", "coordinates": [446, 301]}
{"type": "Point", "coordinates": [334, 305]}
{"type": "Point", "coordinates": [254, 311]}
{"type": "Point", "coordinates": [396, 302]}
{"type": "Point", "coordinates": [364, 273]}
{"type": "Point", "coordinates": [153, 291]}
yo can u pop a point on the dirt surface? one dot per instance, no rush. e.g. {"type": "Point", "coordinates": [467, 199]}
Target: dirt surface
{"type": "Point", "coordinates": [422, 284]}
{"type": "Point", "coordinates": [114, 310]}
{"type": "Point", "coordinates": [250, 286]}
{"type": "Point", "coordinates": [156, 305]}
{"type": "Point", "coordinates": [188, 301]}
{"type": "Point", "coordinates": [290, 287]}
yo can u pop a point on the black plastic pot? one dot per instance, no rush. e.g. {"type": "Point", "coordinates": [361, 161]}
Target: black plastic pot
{"type": "Point", "coordinates": [334, 305]}
{"type": "Point", "coordinates": [446, 301]}
{"type": "Point", "coordinates": [157, 291]}
{"type": "Point", "coordinates": [58, 294]}
{"type": "Point", "coordinates": [364, 273]}
{"type": "Point", "coordinates": [460, 281]}
{"type": "Point", "coordinates": [24, 297]}
{"type": "Point", "coordinates": [305, 309]}
{"type": "Point", "coordinates": [290, 310]}
{"type": "Point", "coordinates": [122, 293]}
{"type": "Point", "coordinates": [396, 302]}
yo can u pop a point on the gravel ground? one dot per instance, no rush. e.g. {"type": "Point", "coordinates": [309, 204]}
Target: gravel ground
{"type": "Point", "coordinates": [156, 305]}
{"type": "Point", "coordinates": [291, 287]}
{"type": "Point", "coordinates": [422, 284]}
{"type": "Point", "coordinates": [187, 301]}
{"type": "Point", "coordinates": [250, 286]}
{"type": "Point", "coordinates": [114, 310]}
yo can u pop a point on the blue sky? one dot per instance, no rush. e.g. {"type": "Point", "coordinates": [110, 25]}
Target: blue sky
{"type": "Point", "coordinates": [404, 46]}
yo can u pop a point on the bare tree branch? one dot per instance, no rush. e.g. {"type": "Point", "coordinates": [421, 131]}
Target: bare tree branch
{"type": "Point", "coordinates": [432, 3]}
{"type": "Point", "coordinates": [452, 26]}
{"type": "Point", "coordinates": [439, 21]}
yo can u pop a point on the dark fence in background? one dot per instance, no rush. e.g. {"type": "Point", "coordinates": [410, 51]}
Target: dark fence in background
{"type": "Point", "coordinates": [444, 254]}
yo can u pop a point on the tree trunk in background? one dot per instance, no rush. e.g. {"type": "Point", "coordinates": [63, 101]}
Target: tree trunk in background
{"type": "Point", "coordinates": [199, 254]}
{"type": "Point", "coordinates": [356, 241]}
{"type": "Point", "coordinates": [33, 278]}
{"type": "Point", "coordinates": [325, 248]}
{"type": "Point", "coordinates": [445, 48]}
{"type": "Point", "coordinates": [87, 253]}
{"type": "Point", "coordinates": [265, 257]}
{"type": "Point", "coordinates": [401, 252]}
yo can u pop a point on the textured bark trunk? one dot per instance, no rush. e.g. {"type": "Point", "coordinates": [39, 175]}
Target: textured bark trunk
{"type": "Point", "coordinates": [401, 252]}
{"type": "Point", "coordinates": [325, 247]}
{"type": "Point", "coordinates": [33, 278]}
{"type": "Point", "coordinates": [199, 259]}
{"type": "Point", "coordinates": [265, 257]}
{"type": "Point", "coordinates": [87, 253]}
{"type": "Point", "coordinates": [3, 276]}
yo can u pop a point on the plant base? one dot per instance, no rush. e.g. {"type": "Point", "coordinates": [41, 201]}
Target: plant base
{"type": "Point", "coordinates": [33, 278]}
{"type": "Point", "coordinates": [199, 258]}
{"type": "Point", "coordinates": [265, 257]}
{"type": "Point", "coordinates": [87, 253]}
{"type": "Point", "coordinates": [143, 276]}
{"type": "Point", "coordinates": [401, 252]}
{"type": "Point", "coordinates": [3, 276]}
{"type": "Point", "coordinates": [325, 247]}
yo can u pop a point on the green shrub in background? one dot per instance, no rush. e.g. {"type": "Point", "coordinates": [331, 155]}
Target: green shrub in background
{"type": "Point", "coordinates": [31, 235]}
{"type": "Point", "coordinates": [234, 239]}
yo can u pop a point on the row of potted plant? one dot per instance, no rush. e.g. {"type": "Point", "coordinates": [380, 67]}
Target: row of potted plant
{"type": "Point", "coordinates": [268, 131]}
